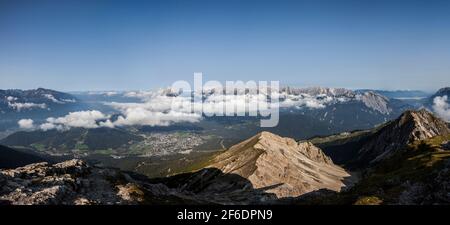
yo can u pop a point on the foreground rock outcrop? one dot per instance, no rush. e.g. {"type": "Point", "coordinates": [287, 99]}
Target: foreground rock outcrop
{"type": "Point", "coordinates": [74, 182]}
{"type": "Point", "coordinates": [69, 182]}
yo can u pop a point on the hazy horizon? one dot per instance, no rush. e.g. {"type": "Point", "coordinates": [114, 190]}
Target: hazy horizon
{"type": "Point", "coordinates": [429, 91]}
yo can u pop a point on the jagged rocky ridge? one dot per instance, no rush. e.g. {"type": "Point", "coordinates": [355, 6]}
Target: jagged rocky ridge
{"type": "Point", "coordinates": [370, 99]}
{"type": "Point", "coordinates": [311, 97]}
{"type": "Point", "coordinates": [295, 167]}
{"type": "Point", "coordinates": [411, 126]}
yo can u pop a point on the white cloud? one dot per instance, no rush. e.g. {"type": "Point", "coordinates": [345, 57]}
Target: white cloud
{"type": "Point", "coordinates": [26, 124]}
{"type": "Point", "coordinates": [441, 107]}
{"type": "Point", "coordinates": [142, 116]}
{"type": "Point", "coordinates": [214, 100]}
{"type": "Point", "coordinates": [106, 123]}
{"type": "Point", "coordinates": [144, 95]}
{"type": "Point", "coordinates": [21, 106]}
{"type": "Point", "coordinates": [27, 105]}
{"type": "Point", "coordinates": [111, 93]}
{"type": "Point", "coordinates": [158, 108]}
{"type": "Point", "coordinates": [83, 119]}
{"type": "Point", "coordinates": [50, 126]}
{"type": "Point", "coordinates": [53, 99]}
{"type": "Point", "coordinates": [11, 98]}
{"type": "Point", "coordinates": [162, 107]}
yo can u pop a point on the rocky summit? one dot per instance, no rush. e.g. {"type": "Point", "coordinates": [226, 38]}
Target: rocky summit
{"type": "Point", "coordinates": [296, 168]}
{"type": "Point", "coordinates": [279, 167]}
{"type": "Point", "coordinates": [411, 126]}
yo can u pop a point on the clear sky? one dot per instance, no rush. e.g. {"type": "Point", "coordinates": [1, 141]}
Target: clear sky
{"type": "Point", "coordinates": [129, 45]}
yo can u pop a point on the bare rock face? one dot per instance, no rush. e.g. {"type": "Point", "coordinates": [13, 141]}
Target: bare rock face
{"type": "Point", "coordinates": [69, 182]}
{"type": "Point", "coordinates": [375, 101]}
{"type": "Point", "coordinates": [339, 92]}
{"type": "Point", "coordinates": [370, 99]}
{"type": "Point", "coordinates": [411, 126]}
{"type": "Point", "coordinates": [280, 167]}
{"type": "Point", "coordinates": [72, 182]}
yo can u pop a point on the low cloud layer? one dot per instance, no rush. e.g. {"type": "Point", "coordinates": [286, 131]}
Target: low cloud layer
{"type": "Point", "coordinates": [142, 116]}
{"type": "Point", "coordinates": [26, 105]}
{"type": "Point", "coordinates": [214, 100]}
{"type": "Point", "coordinates": [20, 106]}
{"type": "Point", "coordinates": [441, 107]}
{"type": "Point", "coordinates": [164, 107]}
{"type": "Point", "coordinates": [83, 119]}
{"type": "Point", "coordinates": [43, 101]}
{"type": "Point", "coordinates": [96, 119]}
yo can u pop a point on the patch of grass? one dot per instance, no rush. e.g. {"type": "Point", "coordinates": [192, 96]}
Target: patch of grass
{"type": "Point", "coordinates": [39, 147]}
{"type": "Point", "coordinates": [136, 149]}
{"type": "Point", "coordinates": [200, 163]}
{"type": "Point", "coordinates": [368, 200]}
{"type": "Point", "coordinates": [105, 151]}
{"type": "Point", "coordinates": [338, 138]}
{"type": "Point", "coordinates": [81, 146]}
{"type": "Point", "coordinates": [175, 164]}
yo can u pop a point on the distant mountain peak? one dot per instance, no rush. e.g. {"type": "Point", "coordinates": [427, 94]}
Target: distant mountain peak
{"type": "Point", "coordinates": [375, 101]}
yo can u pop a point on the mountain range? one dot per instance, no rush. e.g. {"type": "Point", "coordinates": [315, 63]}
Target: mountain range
{"type": "Point", "coordinates": [305, 112]}
{"type": "Point", "coordinates": [404, 161]}
{"type": "Point", "coordinates": [400, 94]}
{"type": "Point", "coordinates": [333, 110]}
{"type": "Point", "coordinates": [339, 147]}
{"type": "Point", "coordinates": [37, 104]}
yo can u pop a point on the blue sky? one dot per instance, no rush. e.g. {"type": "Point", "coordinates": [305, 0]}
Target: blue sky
{"type": "Point", "coordinates": [128, 45]}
